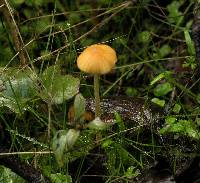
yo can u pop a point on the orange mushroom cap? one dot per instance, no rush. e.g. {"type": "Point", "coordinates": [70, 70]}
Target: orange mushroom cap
{"type": "Point", "coordinates": [97, 59]}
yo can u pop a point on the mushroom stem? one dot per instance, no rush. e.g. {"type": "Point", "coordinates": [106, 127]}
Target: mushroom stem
{"type": "Point", "coordinates": [96, 95]}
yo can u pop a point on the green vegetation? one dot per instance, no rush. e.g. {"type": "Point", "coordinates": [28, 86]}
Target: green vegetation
{"type": "Point", "coordinates": [40, 81]}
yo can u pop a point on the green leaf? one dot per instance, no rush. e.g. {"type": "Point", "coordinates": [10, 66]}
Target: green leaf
{"type": "Point", "coordinates": [19, 83]}
{"type": "Point", "coordinates": [174, 13]}
{"type": "Point", "coordinates": [190, 61]}
{"type": "Point", "coordinates": [144, 37]}
{"type": "Point", "coordinates": [165, 50]}
{"type": "Point", "coordinates": [59, 146]}
{"type": "Point", "coordinates": [97, 124]}
{"type": "Point", "coordinates": [107, 143]}
{"type": "Point", "coordinates": [170, 120]}
{"type": "Point", "coordinates": [131, 92]}
{"type": "Point", "coordinates": [62, 142]}
{"type": "Point", "coordinates": [177, 128]}
{"type": "Point", "coordinates": [119, 122]}
{"type": "Point", "coordinates": [162, 89]}
{"type": "Point", "coordinates": [176, 109]}
{"type": "Point", "coordinates": [182, 127]}
{"type": "Point", "coordinates": [79, 107]}
{"type": "Point", "coordinates": [192, 132]}
{"type": "Point", "coordinates": [39, 3]}
{"type": "Point", "coordinates": [72, 136]}
{"type": "Point", "coordinates": [190, 129]}
{"type": "Point", "coordinates": [49, 74]}
{"type": "Point", "coordinates": [18, 87]}
{"type": "Point", "coordinates": [198, 121]}
{"type": "Point", "coordinates": [18, 2]}
{"type": "Point", "coordinates": [131, 172]}
{"type": "Point", "coordinates": [189, 42]}
{"type": "Point", "coordinates": [160, 76]}
{"type": "Point", "coordinates": [58, 88]}
{"type": "Point", "coordinates": [164, 130]}
{"type": "Point", "coordinates": [61, 178]}
{"type": "Point", "coordinates": [8, 176]}
{"type": "Point", "coordinates": [159, 102]}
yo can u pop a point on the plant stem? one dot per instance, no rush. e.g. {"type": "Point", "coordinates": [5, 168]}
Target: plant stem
{"type": "Point", "coordinates": [96, 95]}
{"type": "Point", "coordinates": [49, 123]}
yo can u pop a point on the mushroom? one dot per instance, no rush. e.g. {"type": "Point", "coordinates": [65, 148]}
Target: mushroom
{"type": "Point", "coordinates": [97, 59]}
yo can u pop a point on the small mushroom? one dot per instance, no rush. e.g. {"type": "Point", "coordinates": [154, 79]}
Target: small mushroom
{"type": "Point", "coordinates": [97, 59]}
